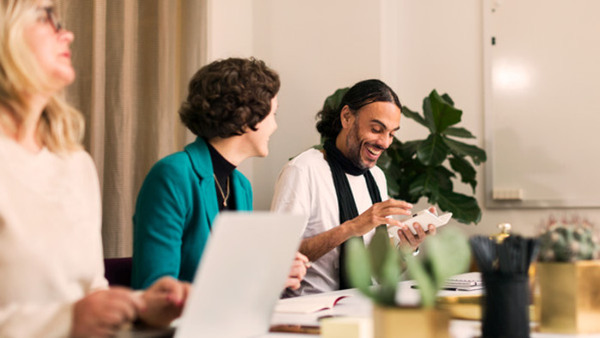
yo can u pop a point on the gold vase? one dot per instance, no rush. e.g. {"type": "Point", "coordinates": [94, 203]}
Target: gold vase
{"type": "Point", "coordinates": [569, 297]}
{"type": "Point", "coordinates": [391, 322]}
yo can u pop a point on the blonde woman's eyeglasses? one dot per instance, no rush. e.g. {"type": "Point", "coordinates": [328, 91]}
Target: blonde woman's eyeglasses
{"type": "Point", "coordinates": [51, 18]}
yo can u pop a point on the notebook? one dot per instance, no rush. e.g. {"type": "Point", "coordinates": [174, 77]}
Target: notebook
{"type": "Point", "coordinates": [310, 304]}
{"type": "Point", "coordinates": [241, 275]}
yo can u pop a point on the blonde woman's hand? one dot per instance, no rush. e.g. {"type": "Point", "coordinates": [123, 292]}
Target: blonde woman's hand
{"type": "Point", "coordinates": [103, 313]}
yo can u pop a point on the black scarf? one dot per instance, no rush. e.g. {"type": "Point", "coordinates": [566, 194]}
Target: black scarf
{"type": "Point", "coordinates": [340, 165]}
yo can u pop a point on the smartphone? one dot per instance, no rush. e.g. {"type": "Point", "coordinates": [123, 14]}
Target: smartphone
{"type": "Point", "coordinates": [424, 218]}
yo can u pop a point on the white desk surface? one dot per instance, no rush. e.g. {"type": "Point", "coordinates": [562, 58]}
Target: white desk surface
{"type": "Point", "coordinates": [357, 305]}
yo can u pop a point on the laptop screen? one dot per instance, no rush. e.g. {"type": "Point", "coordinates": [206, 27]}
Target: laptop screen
{"type": "Point", "coordinates": [241, 274]}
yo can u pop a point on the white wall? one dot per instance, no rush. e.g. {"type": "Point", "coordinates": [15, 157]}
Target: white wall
{"type": "Point", "coordinates": [318, 46]}
{"type": "Point", "coordinates": [230, 33]}
{"type": "Point", "coordinates": [229, 28]}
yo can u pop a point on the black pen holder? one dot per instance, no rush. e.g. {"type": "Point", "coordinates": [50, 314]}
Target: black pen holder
{"type": "Point", "coordinates": [506, 306]}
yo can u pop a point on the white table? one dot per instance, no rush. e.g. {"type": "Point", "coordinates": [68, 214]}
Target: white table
{"type": "Point", "coordinates": [357, 305]}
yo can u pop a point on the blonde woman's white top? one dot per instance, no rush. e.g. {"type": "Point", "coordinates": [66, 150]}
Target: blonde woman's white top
{"type": "Point", "coordinates": [50, 239]}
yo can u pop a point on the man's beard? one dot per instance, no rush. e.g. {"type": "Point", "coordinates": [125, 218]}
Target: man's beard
{"type": "Point", "coordinates": [354, 145]}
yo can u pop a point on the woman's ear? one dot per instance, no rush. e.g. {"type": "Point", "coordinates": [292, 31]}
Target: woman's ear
{"type": "Point", "coordinates": [346, 117]}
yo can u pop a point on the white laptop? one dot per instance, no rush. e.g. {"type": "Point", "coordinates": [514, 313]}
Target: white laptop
{"type": "Point", "coordinates": [241, 275]}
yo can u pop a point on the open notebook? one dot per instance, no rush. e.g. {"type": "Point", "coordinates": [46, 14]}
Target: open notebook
{"type": "Point", "coordinates": [308, 304]}
{"type": "Point", "coordinates": [241, 275]}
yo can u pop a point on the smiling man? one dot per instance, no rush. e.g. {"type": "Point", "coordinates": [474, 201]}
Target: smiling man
{"type": "Point", "coordinates": [339, 189]}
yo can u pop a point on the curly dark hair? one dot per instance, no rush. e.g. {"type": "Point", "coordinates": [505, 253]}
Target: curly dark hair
{"type": "Point", "coordinates": [227, 96]}
{"type": "Point", "coordinates": [361, 94]}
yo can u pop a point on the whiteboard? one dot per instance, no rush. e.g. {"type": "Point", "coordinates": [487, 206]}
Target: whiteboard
{"type": "Point", "coordinates": [542, 102]}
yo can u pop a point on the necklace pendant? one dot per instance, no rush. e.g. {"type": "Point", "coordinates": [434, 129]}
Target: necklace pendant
{"type": "Point", "coordinates": [223, 195]}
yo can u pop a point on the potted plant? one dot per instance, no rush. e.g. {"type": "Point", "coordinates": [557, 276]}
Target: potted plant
{"type": "Point", "coordinates": [568, 275]}
{"type": "Point", "coordinates": [425, 168]}
{"type": "Point", "coordinates": [443, 255]}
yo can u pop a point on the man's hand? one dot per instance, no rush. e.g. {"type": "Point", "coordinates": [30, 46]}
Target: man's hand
{"type": "Point", "coordinates": [164, 301]}
{"type": "Point", "coordinates": [407, 238]}
{"type": "Point", "coordinates": [103, 313]}
{"type": "Point", "coordinates": [412, 240]}
{"type": "Point", "coordinates": [297, 272]}
{"type": "Point", "coordinates": [316, 246]}
{"type": "Point", "coordinates": [378, 214]}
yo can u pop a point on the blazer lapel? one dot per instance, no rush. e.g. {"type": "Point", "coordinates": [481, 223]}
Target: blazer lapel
{"type": "Point", "coordinates": [243, 197]}
{"type": "Point", "coordinates": [202, 165]}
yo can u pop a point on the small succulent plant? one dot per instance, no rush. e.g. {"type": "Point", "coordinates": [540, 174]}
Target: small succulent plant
{"type": "Point", "coordinates": [568, 240]}
{"type": "Point", "coordinates": [443, 255]}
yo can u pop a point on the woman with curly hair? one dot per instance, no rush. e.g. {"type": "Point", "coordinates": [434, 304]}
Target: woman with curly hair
{"type": "Point", "coordinates": [52, 275]}
{"type": "Point", "coordinates": [231, 108]}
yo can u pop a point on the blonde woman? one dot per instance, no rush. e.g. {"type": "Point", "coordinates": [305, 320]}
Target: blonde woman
{"type": "Point", "coordinates": [51, 266]}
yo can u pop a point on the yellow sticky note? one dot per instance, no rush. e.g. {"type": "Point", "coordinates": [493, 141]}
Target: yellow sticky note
{"type": "Point", "coordinates": [347, 327]}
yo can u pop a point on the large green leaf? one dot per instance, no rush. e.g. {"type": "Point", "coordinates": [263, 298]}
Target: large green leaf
{"type": "Point", "coordinates": [422, 277]}
{"type": "Point", "coordinates": [395, 181]}
{"type": "Point", "coordinates": [463, 208]}
{"type": "Point", "coordinates": [462, 149]}
{"type": "Point", "coordinates": [444, 255]}
{"type": "Point", "coordinates": [433, 150]}
{"type": "Point", "coordinates": [378, 250]}
{"type": "Point", "coordinates": [428, 113]}
{"type": "Point", "coordinates": [390, 277]}
{"type": "Point", "coordinates": [358, 265]}
{"type": "Point", "coordinates": [333, 101]}
{"type": "Point", "coordinates": [448, 99]}
{"type": "Point", "coordinates": [448, 254]}
{"type": "Point", "coordinates": [385, 160]}
{"type": "Point", "coordinates": [397, 153]}
{"type": "Point", "coordinates": [466, 170]}
{"type": "Point", "coordinates": [441, 177]}
{"type": "Point", "coordinates": [400, 167]}
{"type": "Point", "coordinates": [431, 181]}
{"type": "Point", "coordinates": [399, 178]}
{"type": "Point", "coordinates": [419, 186]}
{"type": "Point", "coordinates": [458, 132]}
{"type": "Point", "coordinates": [443, 114]}
{"type": "Point", "coordinates": [413, 115]}
{"type": "Point", "coordinates": [410, 148]}
{"type": "Point", "coordinates": [380, 261]}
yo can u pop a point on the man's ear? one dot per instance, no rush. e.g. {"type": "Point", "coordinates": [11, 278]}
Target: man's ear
{"type": "Point", "coordinates": [346, 117]}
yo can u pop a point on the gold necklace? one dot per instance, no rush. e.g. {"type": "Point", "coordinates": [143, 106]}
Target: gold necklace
{"type": "Point", "coordinates": [225, 197]}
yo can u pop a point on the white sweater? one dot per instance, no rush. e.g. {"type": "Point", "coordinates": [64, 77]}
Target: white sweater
{"type": "Point", "coordinates": [50, 239]}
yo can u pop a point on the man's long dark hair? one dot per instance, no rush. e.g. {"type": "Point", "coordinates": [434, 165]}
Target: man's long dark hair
{"type": "Point", "coordinates": [361, 94]}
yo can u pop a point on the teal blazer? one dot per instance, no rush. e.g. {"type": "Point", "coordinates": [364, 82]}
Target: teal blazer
{"type": "Point", "coordinates": [174, 213]}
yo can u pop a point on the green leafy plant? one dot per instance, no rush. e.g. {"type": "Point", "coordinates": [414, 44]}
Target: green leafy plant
{"type": "Point", "coordinates": [568, 241]}
{"type": "Point", "coordinates": [425, 168]}
{"type": "Point", "coordinates": [444, 255]}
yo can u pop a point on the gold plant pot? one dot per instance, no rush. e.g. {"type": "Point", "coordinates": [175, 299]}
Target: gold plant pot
{"type": "Point", "coordinates": [569, 299]}
{"type": "Point", "coordinates": [470, 307]}
{"type": "Point", "coordinates": [462, 307]}
{"type": "Point", "coordinates": [391, 322]}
